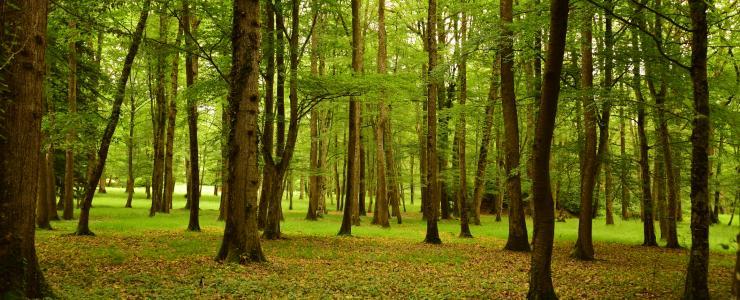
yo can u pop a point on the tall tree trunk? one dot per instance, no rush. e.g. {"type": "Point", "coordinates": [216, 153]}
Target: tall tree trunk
{"type": "Point", "coordinates": [433, 189]}
{"type": "Point", "coordinates": [160, 117]}
{"type": "Point", "coordinates": [169, 180]}
{"type": "Point", "coordinates": [130, 153]}
{"type": "Point", "coordinates": [42, 193]}
{"type": "Point", "coordinates": [191, 72]}
{"type": "Point", "coordinates": [314, 177]}
{"type": "Point", "coordinates": [353, 142]}
{"type": "Point", "coordinates": [83, 224]}
{"type": "Point", "coordinates": [479, 185]}
{"type": "Point", "coordinates": [517, 239]}
{"type": "Point", "coordinates": [69, 153]}
{"type": "Point", "coordinates": [696, 273]}
{"type": "Point", "coordinates": [381, 196]}
{"type": "Point", "coordinates": [718, 171]}
{"type": "Point", "coordinates": [20, 127]}
{"type": "Point", "coordinates": [463, 76]}
{"type": "Point", "coordinates": [540, 279]}
{"type": "Point", "coordinates": [241, 243]}
{"type": "Point", "coordinates": [647, 201]}
{"type": "Point", "coordinates": [584, 248]}
{"type": "Point", "coordinates": [608, 82]}
{"type": "Point", "coordinates": [624, 165]}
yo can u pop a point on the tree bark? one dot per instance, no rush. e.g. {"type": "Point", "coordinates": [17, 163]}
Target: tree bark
{"type": "Point", "coordinates": [160, 117]}
{"type": "Point", "coordinates": [696, 273]}
{"type": "Point", "coordinates": [517, 238]}
{"type": "Point", "coordinates": [20, 126]}
{"type": "Point", "coordinates": [461, 124]}
{"type": "Point", "coordinates": [191, 73]}
{"type": "Point", "coordinates": [69, 153]}
{"type": "Point", "coordinates": [584, 249]}
{"type": "Point", "coordinates": [353, 143]}
{"type": "Point", "coordinates": [540, 279]}
{"type": "Point", "coordinates": [169, 180]}
{"type": "Point", "coordinates": [433, 185]}
{"type": "Point", "coordinates": [381, 196]}
{"type": "Point", "coordinates": [241, 242]}
{"type": "Point", "coordinates": [83, 224]}
{"type": "Point", "coordinates": [479, 185]}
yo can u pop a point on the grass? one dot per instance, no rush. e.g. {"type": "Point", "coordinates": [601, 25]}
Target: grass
{"type": "Point", "coordinates": [134, 256]}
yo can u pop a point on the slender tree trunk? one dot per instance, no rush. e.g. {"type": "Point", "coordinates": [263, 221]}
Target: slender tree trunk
{"type": "Point", "coordinates": [584, 249]}
{"type": "Point", "coordinates": [479, 184]}
{"type": "Point", "coordinates": [381, 196]}
{"type": "Point", "coordinates": [169, 180]}
{"type": "Point", "coordinates": [69, 175]}
{"type": "Point", "coordinates": [130, 153]}
{"type": "Point", "coordinates": [191, 72]}
{"type": "Point", "coordinates": [42, 193]}
{"type": "Point", "coordinates": [241, 243]}
{"type": "Point", "coordinates": [353, 142]}
{"type": "Point", "coordinates": [433, 189]}
{"type": "Point", "coordinates": [463, 188]}
{"type": "Point", "coordinates": [647, 201]}
{"type": "Point", "coordinates": [624, 165]}
{"type": "Point", "coordinates": [517, 238]}
{"type": "Point", "coordinates": [83, 224]}
{"type": "Point", "coordinates": [540, 279]}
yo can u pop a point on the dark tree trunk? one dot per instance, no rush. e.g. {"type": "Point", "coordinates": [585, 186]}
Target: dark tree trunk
{"type": "Point", "coordinates": [479, 184]}
{"type": "Point", "coordinates": [584, 248]}
{"type": "Point", "coordinates": [169, 180]}
{"type": "Point", "coordinates": [433, 186]}
{"type": "Point", "coordinates": [696, 273]}
{"type": "Point", "coordinates": [241, 242]}
{"type": "Point", "coordinates": [160, 117]}
{"type": "Point", "coordinates": [540, 279]}
{"type": "Point", "coordinates": [42, 193]}
{"type": "Point", "coordinates": [517, 239]}
{"type": "Point", "coordinates": [191, 73]}
{"type": "Point", "coordinates": [463, 180]}
{"type": "Point", "coordinates": [69, 175]}
{"type": "Point", "coordinates": [83, 224]}
{"type": "Point", "coordinates": [353, 143]}
{"type": "Point", "coordinates": [130, 154]}
{"type": "Point", "coordinates": [381, 195]}
{"type": "Point", "coordinates": [20, 126]}
{"type": "Point", "coordinates": [647, 201]}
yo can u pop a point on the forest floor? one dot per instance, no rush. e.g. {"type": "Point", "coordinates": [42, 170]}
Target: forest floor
{"type": "Point", "coordinates": [135, 256]}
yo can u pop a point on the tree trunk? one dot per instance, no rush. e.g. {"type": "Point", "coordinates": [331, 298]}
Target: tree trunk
{"type": "Point", "coordinates": [624, 165]}
{"type": "Point", "coordinates": [20, 127]}
{"type": "Point", "coordinates": [381, 196]}
{"type": "Point", "coordinates": [191, 73]}
{"type": "Point", "coordinates": [69, 175]}
{"type": "Point", "coordinates": [433, 186]}
{"type": "Point", "coordinates": [584, 249]}
{"type": "Point", "coordinates": [353, 143]}
{"type": "Point", "coordinates": [517, 238]}
{"type": "Point", "coordinates": [463, 188]}
{"type": "Point", "coordinates": [169, 180]}
{"type": "Point", "coordinates": [241, 242]}
{"type": "Point", "coordinates": [83, 224]}
{"type": "Point", "coordinates": [130, 153]}
{"type": "Point", "coordinates": [479, 185]}
{"type": "Point", "coordinates": [540, 279]}
{"type": "Point", "coordinates": [696, 273]}
{"type": "Point", "coordinates": [160, 117]}
{"type": "Point", "coordinates": [647, 201]}
{"type": "Point", "coordinates": [42, 193]}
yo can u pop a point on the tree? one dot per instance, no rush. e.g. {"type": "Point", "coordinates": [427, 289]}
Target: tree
{"type": "Point", "coordinates": [517, 239]}
{"type": "Point", "coordinates": [584, 248]}
{"type": "Point", "coordinates": [191, 72]}
{"type": "Point", "coordinates": [169, 180]}
{"type": "Point", "coordinates": [540, 279]}
{"type": "Point", "coordinates": [353, 144]}
{"type": "Point", "coordinates": [69, 175]}
{"type": "Point", "coordinates": [432, 180]}
{"type": "Point", "coordinates": [83, 224]}
{"type": "Point", "coordinates": [463, 188]}
{"type": "Point", "coordinates": [241, 242]}
{"type": "Point", "coordinates": [159, 118]}
{"type": "Point", "coordinates": [381, 198]}
{"type": "Point", "coordinates": [23, 38]}
{"type": "Point", "coordinates": [696, 273]}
